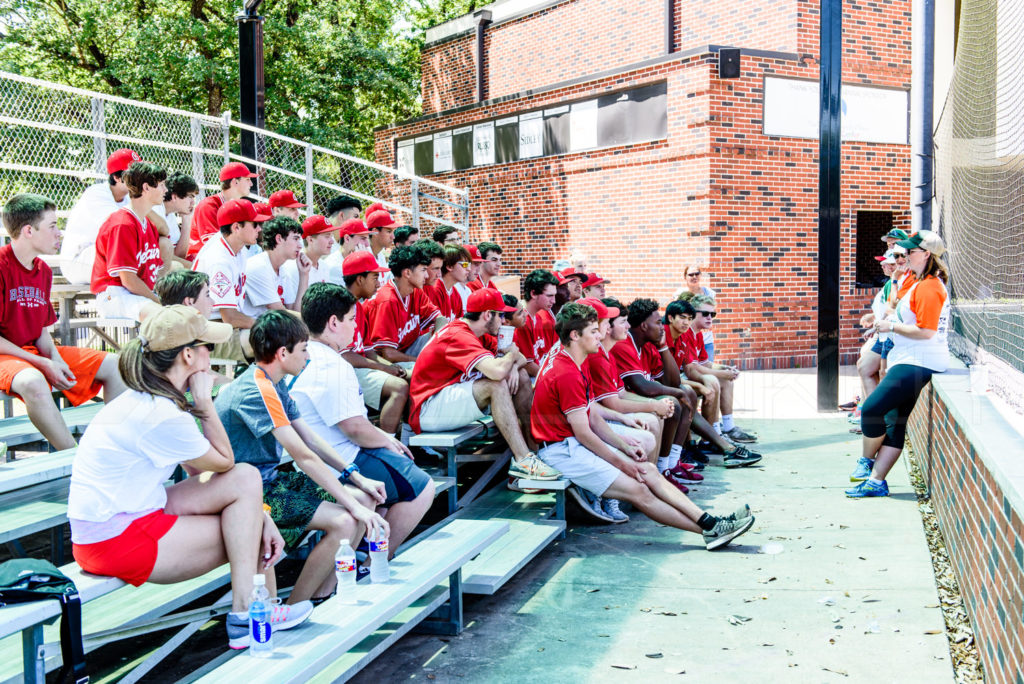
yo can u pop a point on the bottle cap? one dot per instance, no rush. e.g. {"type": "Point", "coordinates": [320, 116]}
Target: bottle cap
{"type": "Point", "coordinates": [259, 580]}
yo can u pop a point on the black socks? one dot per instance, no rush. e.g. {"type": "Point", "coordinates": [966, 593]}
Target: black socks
{"type": "Point", "coordinates": [707, 522]}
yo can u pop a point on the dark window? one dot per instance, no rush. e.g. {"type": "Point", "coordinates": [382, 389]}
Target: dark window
{"type": "Point", "coordinates": [871, 226]}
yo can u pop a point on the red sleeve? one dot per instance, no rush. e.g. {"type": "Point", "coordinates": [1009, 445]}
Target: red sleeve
{"type": "Point", "coordinates": [383, 324]}
{"type": "Point", "coordinates": [123, 247]}
{"type": "Point", "coordinates": [204, 222]}
{"type": "Point", "coordinates": [600, 373]}
{"type": "Point", "coordinates": [474, 286]}
{"type": "Point", "coordinates": [624, 358]}
{"type": "Point", "coordinates": [467, 353]}
{"type": "Point", "coordinates": [652, 360]}
{"type": "Point", "coordinates": [522, 340]}
{"type": "Point", "coordinates": [571, 392]}
{"type": "Point", "coordinates": [425, 308]}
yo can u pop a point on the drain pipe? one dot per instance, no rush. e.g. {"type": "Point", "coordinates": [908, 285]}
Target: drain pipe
{"type": "Point", "coordinates": [922, 112]}
{"type": "Point", "coordinates": [483, 20]}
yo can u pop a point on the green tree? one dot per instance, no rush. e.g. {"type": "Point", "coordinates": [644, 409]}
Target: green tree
{"type": "Point", "coordinates": [334, 71]}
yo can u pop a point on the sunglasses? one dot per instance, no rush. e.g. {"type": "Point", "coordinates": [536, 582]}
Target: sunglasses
{"type": "Point", "coordinates": [694, 274]}
{"type": "Point", "coordinates": [709, 314]}
{"type": "Point", "coordinates": [209, 346]}
{"type": "Point", "coordinates": [464, 264]}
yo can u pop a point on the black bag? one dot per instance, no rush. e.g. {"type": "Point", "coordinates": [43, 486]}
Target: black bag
{"type": "Point", "coordinates": [25, 580]}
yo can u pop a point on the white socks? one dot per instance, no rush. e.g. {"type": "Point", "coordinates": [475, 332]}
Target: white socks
{"type": "Point", "coordinates": [663, 464]}
{"type": "Point", "coordinates": [874, 481]}
{"type": "Point", "coordinates": [718, 426]}
{"type": "Point", "coordinates": [727, 423]}
{"type": "Point", "coordinates": [674, 454]}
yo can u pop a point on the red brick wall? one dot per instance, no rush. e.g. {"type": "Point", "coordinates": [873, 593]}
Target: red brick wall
{"type": "Point", "coordinates": [716, 191]}
{"type": "Point", "coordinates": [983, 533]}
{"type": "Point", "coordinates": [762, 25]}
{"type": "Point", "coordinates": [448, 74]}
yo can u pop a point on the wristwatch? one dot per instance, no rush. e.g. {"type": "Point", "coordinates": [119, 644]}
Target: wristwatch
{"type": "Point", "coordinates": [350, 470]}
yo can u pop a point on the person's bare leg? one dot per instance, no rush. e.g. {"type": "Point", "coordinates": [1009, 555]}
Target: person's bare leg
{"type": "Point", "coordinates": [221, 520]}
{"type": "Point", "coordinates": [705, 430]}
{"type": "Point", "coordinates": [403, 517]}
{"type": "Point", "coordinates": [887, 457]}
{"type": "Point", "coordinates": [673, 427]}
{"type": "Point", "coordinates": [641, 496]}
{"type": "Point", "coordinates": [651, 424]}
{"type": "Point", "coordinates": [110, 378]}
{"type": "Point", "coordinates": [870, 446]}
{"type": "Point", "coordinates": [393, 398]}
{"type": "Point", "coordinates": [496, 394]}
{"type": "Point", "coordinates": [727, 388]}
{"type": "Point", "coordinates": [523, 400]}
{"type": "Point", "coordinates": [867, 368]}
{"type": "Point", "coordinates": [710, 405]}
{"type": "Point", "coordinates": [318, 571]}
{"type": "Point", "coordinates": [30, 384]}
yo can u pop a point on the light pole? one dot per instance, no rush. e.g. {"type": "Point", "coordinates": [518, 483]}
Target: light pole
{"type": "Point", "coordinates": [250, 74]}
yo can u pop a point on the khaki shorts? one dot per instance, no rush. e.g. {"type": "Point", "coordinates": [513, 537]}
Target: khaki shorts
{"type": "Point", "coordinates": [233, 348]}
{"type": "Point", "coordinates": [371, 382]}
{"type": "Point", "coordinates": [451, 408]}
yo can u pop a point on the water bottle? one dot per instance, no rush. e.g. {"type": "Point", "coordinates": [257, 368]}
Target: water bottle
{"type": "Point", "coordinates": [261, 643]}
{"type": "Point", "coordinates": [379, 571]}
{"type": "Point", "coordinates": [345, 569]}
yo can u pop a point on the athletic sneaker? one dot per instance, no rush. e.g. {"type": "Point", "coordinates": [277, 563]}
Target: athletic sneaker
{"type": "Point", "coordinates": [676, 481]}
{"type": "Point", "coordinates": [588, 503]}
{"type": "Point", "coordinates": [686, 472]}
{"type": "Point", "coordinates": [868, 488]}
{"type": "Point", "coordinates": [611, 509]}
{"type": "Point", "coordinates": [854, 417]}
{"type": "Point", "coordinates": [532, 468]}
{"type": "Point", "coordinates": [850, 405]}
{"type": "Point", "coordinates": [863, 469]}
{"type": "Point", "coordinates": [740, 457]}
{"type": "Point", "coordinates": [725, 531]}
{"type": "Point", "coordinates": [282, 617]}
{"type": "Point", "coordinates": [738, 435]}
{"type": "Point", "coordinates": [740, 513]}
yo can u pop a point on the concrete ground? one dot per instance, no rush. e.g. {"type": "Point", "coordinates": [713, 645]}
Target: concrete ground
{"type": "Point", "coordinates": [822, 589]}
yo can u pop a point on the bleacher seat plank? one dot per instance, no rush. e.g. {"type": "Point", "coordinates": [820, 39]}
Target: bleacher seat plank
{"type": "Point", "coordinates": [26, 511]}
{"type": "Point", "coordinates": [336, 626]}
{"type": "Point", "coordinates": [530, 531]}
{"type": "Point", "coordinates": [35, 469]}
{"type": "Point", "coordinates": [449, 439]}
{"type": "Point", "coordinates": [20, 430]}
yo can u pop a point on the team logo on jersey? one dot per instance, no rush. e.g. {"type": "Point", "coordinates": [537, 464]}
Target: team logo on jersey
{"type": "Point", "coordinates": [220, 285]}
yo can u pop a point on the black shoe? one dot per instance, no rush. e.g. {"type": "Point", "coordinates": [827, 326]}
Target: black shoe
{"type": "Point", "coordinates": [700, 452]}
{"type": "Point", "coordinates": [740, 457]}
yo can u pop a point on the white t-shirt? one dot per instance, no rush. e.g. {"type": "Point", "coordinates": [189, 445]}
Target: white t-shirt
{"type": "Point", "coordinates": [290, 278]}
{"type": "Point", "coordinates": [173, 224]}
{"type": "Point", "coordinates": [263, 286]}
{"type": "Point", "coordinates": [932, 353]}
{"type": "Point", "coordinates": [126, 455]}
{"type": "Point", "coordinates": [464, 292]}
{"type": "Point", "coordinates": [331, 265]}
{"type": "Point", "coordinates": [326, 393]}
{"type": "Point", "coordinates": [90, 211]}
{"type": "Point", "coordinates": [709, 335]}
{"type": "Point", "coordinates": [226, 270]}
{"type": "Point", "coordinates": [387, 276]}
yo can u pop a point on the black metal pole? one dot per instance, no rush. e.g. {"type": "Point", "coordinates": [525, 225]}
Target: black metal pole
{"type": "Point", "coordinates": [829, 159]}
{"type": "Point", "coordinates": [250, 77]}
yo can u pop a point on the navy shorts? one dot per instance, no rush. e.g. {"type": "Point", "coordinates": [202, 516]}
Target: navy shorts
{"type": "Point", "coordinates": [403, 480]}
{"type": "Point", "coordinates": [883, 348]}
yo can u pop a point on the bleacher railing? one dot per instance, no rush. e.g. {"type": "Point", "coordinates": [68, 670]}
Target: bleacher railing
{"type": "Point", "coordinates": [55, 139]}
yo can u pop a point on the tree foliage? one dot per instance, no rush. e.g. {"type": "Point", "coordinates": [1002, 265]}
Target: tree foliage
{"type": "Point", "coordinates": [334, 71]}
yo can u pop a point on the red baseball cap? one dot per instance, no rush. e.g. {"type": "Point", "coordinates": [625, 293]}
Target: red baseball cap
{"type": "Point", "coordinates": [374, 208]}
{"type": "Point", "coordinates": [361, 262]}
{"type": "Point", "coordinates": [121, 160]}
{"type": "Point", "coordinates": [598, 306]}
{"type": "Point", "coordinates": [235, 170]}
{"type": "Point", "coordinates": [566, 273]}
{"type": "Point", "coordinates": [486, 299]}
{"type": "Point", "coordinates": [593, 279]}
{"type": "Point", "coordinates": [354, 227]}
{"type": "Point", "coordinates": [315, 225]}
{"type": "Point", "coordinates": [474, 253]}
{"type": "Point", "coordinates": [239, 211]}
{"type": "Point", "coordinates": [380, 219]}
{"type": "Point", "coordinates": [285, 199]}
{"type": "Point", "coordinates": [263, 209]}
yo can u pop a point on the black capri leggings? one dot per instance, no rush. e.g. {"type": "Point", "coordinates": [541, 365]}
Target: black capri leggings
{"type": "Point", "coordinates": [886, 410]}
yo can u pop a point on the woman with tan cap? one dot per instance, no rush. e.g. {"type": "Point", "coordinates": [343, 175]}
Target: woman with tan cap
{"type": "Point", "coordinates": [918, 329]}
{"type": "Point", "coordinates": [125, 523]}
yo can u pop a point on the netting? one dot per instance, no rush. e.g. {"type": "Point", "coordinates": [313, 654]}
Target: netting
{"type": "Point", "coordinates": [54, 140]}
{"type": "Point", "coordinates": [979, 178]}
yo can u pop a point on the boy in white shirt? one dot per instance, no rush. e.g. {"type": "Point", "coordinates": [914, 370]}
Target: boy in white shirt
{"type": "Point", "coordinates": [281, 238]}
{"type": "Point", "coordinates": [319, 237]}
{"type": "Point", "coordinates": [176, 210]}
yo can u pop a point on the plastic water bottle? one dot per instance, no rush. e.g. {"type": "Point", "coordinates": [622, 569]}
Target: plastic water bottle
{"type": "Point", "coordinates": [261, 638]}
{"type": "Point", "coordinates": [345, 569]}
{"type": "Point", "coordinates": [379, 571]}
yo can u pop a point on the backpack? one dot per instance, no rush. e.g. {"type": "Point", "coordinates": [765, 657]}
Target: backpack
{"type": "Point", "coordinates": [24, 580]}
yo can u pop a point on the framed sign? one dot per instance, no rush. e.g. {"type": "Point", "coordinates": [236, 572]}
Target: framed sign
{"type": "Point", "coordinates": [483, 143]}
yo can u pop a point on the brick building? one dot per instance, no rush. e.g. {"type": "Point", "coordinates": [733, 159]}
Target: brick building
{"type": "Point", "coordinates": [609, 127]}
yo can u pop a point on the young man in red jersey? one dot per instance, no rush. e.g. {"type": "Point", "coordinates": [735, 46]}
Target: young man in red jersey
{"type": "Point", "coordinates": [456, 380]}
{"type": "Point", "coordinates": [385, 386]}
{"type": "Point", "coordinates": [490, 266]}
{"type": "Point", "coordinates": [436, 254]}
{"type": "Point", "coordinates": [454, 270]}
{"type": "Point", "coordinates": [285, 203]}
{"type": "Point", "coordinates": [128, 260]}
{"type": "Point", "coordinates": [576, 439]}
{"type": "Point", "coordinates": [31, 365]}
{"type": "Point", "coordinates": [538, 335]}
{"type": "Point", "coordinates": [235, 183]}
{"type": "Point", "coordinates": [382, 226]}
{"type": "Point", "coordinates": [402, 311]}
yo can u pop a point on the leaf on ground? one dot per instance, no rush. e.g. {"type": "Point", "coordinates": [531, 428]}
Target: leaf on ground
{"type": "Point", "coordinates": [844, 527]}
{"type": "Point", "coordinates": [670, 614]}
{"type": "Point", "coordinates": [767, 644]}
{"type": "Point", "coordinates": [645, 610]}
{"type": "Point", "coordinates": [933, 631]}
{"type": "Point", "coordinates": [603, 636]}
{"type": "Point", "coordinates": [738, 619]}
{"type": "Point", "coordinates": [838, 672]}
{"type": "Point", "coordinates": [624, 667]}
{"type": "Point", "coordinates": [654, 655]}
{"type": "Point", "coordinates": [593, 591]}
{"type": "Point", "coordinates": [766, 581]}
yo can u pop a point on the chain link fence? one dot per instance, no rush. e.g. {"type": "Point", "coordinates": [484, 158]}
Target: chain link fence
{"type": "Point", "coordinates": [979, 182]}
{"type": "Point", "coordinates": [54, 140]}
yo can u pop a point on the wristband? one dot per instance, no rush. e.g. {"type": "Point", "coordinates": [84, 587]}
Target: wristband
{"type": "Point", "coordinates": [350, 470]}
{"type": "Point", "coordinates": [663, 349]}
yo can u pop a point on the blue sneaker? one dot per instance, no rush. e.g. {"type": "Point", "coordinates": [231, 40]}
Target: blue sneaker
{"type": "Point", "coordinates": [863, 469]}
{"type": "Point", "coordinates": [868, 488]}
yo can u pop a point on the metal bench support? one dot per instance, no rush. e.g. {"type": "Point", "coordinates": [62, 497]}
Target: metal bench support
{"type": "Point", "coordinates": [446, 620]}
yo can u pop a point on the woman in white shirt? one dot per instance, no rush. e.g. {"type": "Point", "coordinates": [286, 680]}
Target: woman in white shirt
{"type": "Point", "coordinates": [693, 286]}
{"type": "Point", "coordinates": [125, 522]}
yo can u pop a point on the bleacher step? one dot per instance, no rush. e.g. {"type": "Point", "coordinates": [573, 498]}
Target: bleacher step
{"type": "Point", "coordinates": [35, 509]}
{"type": "Point", "coordinates": [20, 430]}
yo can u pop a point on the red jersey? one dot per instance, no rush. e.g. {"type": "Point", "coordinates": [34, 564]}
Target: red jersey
{"type": "Point", "coordinates": [447, 359]}
{"type": "Point", "coordinates": [478, 284]}
{"type": "Point", "coordinates": [204, 223]}
{"type": "Point", "coordinates": [125, 245]}
{"type": "Point", "coordinates": [362, 329]}
{"type": "Point", "coordinates": [603, 374]}
{"type": "Point", "coordinates": [25, 309]}
{"type": "Point", "coordinates": [562, 387]}
{"type": "Point", "coordinates": [630, 360]}
{"type": "Point", "coordinates": [536, 337]}
{"type": "Point", "coordinates": [398, 322]}
{"type": "Point", "coordinates": [677, 347]}
{"type": "Point", "coordinates": [693, 348]}
{"type": "Point", "coordinates": [448, 303]}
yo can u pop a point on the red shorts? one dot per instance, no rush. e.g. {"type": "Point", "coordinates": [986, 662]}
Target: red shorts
{"type": "Point", "coordinates": [84, 363]}
{"type": "Point", "coordinates": [129, 556]}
